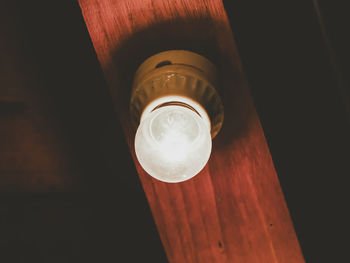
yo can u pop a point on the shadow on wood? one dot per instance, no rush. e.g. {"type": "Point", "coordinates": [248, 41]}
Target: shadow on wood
{"type": "Point", "coordinates": [197, 35]}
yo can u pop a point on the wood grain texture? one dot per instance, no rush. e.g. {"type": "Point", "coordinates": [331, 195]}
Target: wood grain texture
{"type": "Point", "coordinates": [234, 210]}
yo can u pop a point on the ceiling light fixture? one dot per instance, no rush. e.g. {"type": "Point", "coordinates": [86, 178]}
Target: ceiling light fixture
{"type": "Point", "coordinates": [175, 102]}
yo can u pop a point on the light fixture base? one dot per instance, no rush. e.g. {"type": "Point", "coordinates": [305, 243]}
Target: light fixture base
{"type": "Point", "coordinates": [177, 74]}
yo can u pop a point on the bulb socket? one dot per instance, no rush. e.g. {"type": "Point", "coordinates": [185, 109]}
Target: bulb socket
{"type": "Point", "coordinates": [179, 74]}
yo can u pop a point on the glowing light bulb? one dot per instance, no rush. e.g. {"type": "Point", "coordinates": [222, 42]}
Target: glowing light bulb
{"type": "Point", "coordinates": [178, 110]}
{"type": "Point", "coordinates": [173, 142]}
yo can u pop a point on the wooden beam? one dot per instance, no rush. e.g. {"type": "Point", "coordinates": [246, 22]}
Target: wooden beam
{"type": "Point", "coordinates": [234, 210]}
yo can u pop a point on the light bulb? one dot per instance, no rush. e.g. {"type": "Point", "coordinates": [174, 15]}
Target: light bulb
{"type": "Point", "coordinates": [173, 142]}
{"type": "Point", "coordinates": [175, 103]}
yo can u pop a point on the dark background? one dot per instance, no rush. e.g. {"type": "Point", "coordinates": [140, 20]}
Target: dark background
{"type": "Point", "coordinates": [296, 59]}
{"type": "Point", "coordinates": [297, 64]}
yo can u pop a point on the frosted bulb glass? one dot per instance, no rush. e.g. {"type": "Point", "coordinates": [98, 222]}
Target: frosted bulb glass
{"type": "Point", "coordinates": [173, 143]}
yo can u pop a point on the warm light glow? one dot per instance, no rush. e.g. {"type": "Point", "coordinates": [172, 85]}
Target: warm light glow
{"type": "Point", "coordinates": [173, 143]}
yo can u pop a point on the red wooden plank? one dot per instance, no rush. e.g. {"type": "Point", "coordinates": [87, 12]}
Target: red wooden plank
{"type": "Point", "coordinates": [234, 210]}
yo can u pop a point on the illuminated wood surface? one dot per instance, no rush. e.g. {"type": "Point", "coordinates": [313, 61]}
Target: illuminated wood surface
{"type": "Point", "coordinates": [234, 210]}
